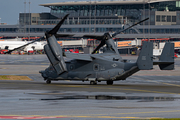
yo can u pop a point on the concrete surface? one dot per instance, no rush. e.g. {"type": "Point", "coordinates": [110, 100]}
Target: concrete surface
{"type": "Point", "coordinates": [145, 95]}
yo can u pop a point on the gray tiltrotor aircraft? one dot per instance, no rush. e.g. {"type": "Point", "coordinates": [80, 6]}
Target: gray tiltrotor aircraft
{"type": "Point", "coordinates": [108, 66]}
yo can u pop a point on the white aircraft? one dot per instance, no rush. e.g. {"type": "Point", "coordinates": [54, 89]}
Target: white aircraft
{"type": "Point", "coordinates": [10, 45]}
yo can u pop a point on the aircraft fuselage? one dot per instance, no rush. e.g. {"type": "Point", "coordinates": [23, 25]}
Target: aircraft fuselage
{"type": "Point", "coordinates": [97, 70]}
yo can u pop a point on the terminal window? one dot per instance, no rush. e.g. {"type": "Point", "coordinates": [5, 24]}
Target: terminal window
{"type": "Point", "coordinates": [168, 18]}
{"type": "Point", "coordinates": [163, 18]}
{"type": "Point", "coordinates": [158, 18]}
{"type": "Point", "coordinates": [173, 18]}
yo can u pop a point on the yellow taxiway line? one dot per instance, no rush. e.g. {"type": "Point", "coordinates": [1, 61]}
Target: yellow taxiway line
{"type": "Point", "coordinates": [113, 115]}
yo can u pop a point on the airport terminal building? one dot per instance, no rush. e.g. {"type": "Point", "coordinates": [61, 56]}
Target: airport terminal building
{"type": "Point", "coordinates": [103, 16]}
{"type": "Point", "coordinates": [99, 17]}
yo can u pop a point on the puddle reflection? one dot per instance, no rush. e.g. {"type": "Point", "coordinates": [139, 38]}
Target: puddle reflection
{"type": "Point", "coordinates": [105, 97]}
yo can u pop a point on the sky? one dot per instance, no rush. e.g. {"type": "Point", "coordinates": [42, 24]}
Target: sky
{"type": "Point", "coordinates": [10, 9]}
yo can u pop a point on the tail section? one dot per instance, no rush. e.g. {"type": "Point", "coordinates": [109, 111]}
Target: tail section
{"type": "Point", "coordinates": [55, 55]}
{"type": "Point", "coordinates": [145, 59]}
{"type": "Point", "coordinates": [166, 60]}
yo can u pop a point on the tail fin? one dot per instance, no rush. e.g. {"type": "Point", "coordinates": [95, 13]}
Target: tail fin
{"type": "Point", "coordinates": [166, 60]}
{"type": "Point", "coordinates": [54, 52]}
{"type": "Point", "coordinates": [145, 59]}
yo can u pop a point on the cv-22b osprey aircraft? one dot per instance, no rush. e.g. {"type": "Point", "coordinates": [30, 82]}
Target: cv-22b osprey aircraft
{"type": "Point", "coordinates": [107, 66]}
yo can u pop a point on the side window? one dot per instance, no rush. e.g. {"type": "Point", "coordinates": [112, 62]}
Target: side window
{"type": "Point", "coordinates": [96, 67]}
{"type": "Point", "coordinates": [71, 67]}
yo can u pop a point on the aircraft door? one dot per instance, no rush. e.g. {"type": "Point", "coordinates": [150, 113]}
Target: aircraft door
{"type": "Point", "coordinates": [96, 67]}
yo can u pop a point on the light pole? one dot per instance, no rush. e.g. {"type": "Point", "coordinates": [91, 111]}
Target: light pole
{"type": "Point", "coordinates": [149, 19]}
{"type": "Point", "coordinates": [29, 22]}
{"type": "Point", "coordinates": [24, 18]}
{"type": "Point", "coordinates": [0, 21]}
{"type": "Point", "coordinates": [90, 17]}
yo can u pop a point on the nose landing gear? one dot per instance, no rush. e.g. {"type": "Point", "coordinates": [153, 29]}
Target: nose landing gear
{"type": "Point", "coordinates": [48, 81]}
{"type": "Point", "coordinates": [109, 82]}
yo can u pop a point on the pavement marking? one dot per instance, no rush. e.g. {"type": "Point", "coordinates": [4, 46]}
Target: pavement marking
{"type": "Point", "coordinates": [14, 77]}
{"type": "Point", "coordinates": [81, 86]}
{"type": "Point", "coordinates": [102, 115]}
{"type": "Point", "coordinates": [168, 111]}
{"type": "Point", "coordinates": [151, 112]}
{"type": "Point", "coordinates": [3, 68]}
{"type": "Point", "coordinates": [26, 117]}
{"type": "Point", "coordinates": [65, 116]}
{"type": "Point", "coordinates": [113, 115]}
{"type": "Point", "coordinates": [142, 90]}
{"type": "Point", "coordinates": [164, 83]}
{"type": "Point", "coordinates": [45, 63]}
{"type": "Point", "coordinates": [158, 82]}
{"type": "Point", "coordinates": [88, 86]}
{"type": "Point", "coordinates": [67, 80]}
{"type": "Point", "coordinates": [44, 66]}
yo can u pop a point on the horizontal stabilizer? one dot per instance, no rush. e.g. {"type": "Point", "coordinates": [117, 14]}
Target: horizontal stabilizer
{"type": "Point", "coordinates": [167, 66]}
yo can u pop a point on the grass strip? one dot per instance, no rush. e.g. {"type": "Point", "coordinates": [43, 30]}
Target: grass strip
{"type": "Point", "coordinates": [14, 77]}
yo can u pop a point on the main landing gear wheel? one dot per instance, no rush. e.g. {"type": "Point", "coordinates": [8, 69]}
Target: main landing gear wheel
{"type": "Point", "coordinates": [48, 81]}
{"type": "Point", "coordinates": [109, 82]}
{"type": "Point", "coordinates": [93, 83]}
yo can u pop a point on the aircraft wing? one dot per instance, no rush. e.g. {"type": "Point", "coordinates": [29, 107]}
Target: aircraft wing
{"type": "Point", "coordinates": [78, 56]}
{"type": "Point", "coordinates": [108, 56]}
{"type": "Point", "coordinates": [64, 35]}
{"type": "Point", "coordinates": [162, 62]}
{"type": "Point", "coordinates": [83, 35]}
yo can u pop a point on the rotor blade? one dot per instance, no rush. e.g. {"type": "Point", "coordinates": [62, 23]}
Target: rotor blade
{"type": "Point", "coordinates": [63, 35]}
{"type": "Point", "coordinates": [113, 35]}
{"type": "Point", "coordinates": [8, 52]}
{"type": "Point", "coordinates": [56, 28]}
{"type": "Point", "coordinates": [99, 46]}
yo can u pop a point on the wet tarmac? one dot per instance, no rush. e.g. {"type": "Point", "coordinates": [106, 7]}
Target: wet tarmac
{"type": "Point", "coordinates": [145, 95]}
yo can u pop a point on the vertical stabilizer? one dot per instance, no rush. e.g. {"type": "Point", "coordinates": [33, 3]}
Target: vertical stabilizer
{"type": "Point", "coordinates": [166, 60]}
{"type": "Point", "coordinates": [167, 53]}
{"type": "Point", "coordinates": [145, 59]}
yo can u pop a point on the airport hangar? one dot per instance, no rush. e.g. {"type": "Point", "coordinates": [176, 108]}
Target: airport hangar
{"type": "Point", "coordinates": [99, 17]}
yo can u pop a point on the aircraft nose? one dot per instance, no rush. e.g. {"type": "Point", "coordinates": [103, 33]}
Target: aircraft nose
{"type": "Point", "coordinates": [41, 71]}
{"type": "Point", "coordinates": [43, 74]}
